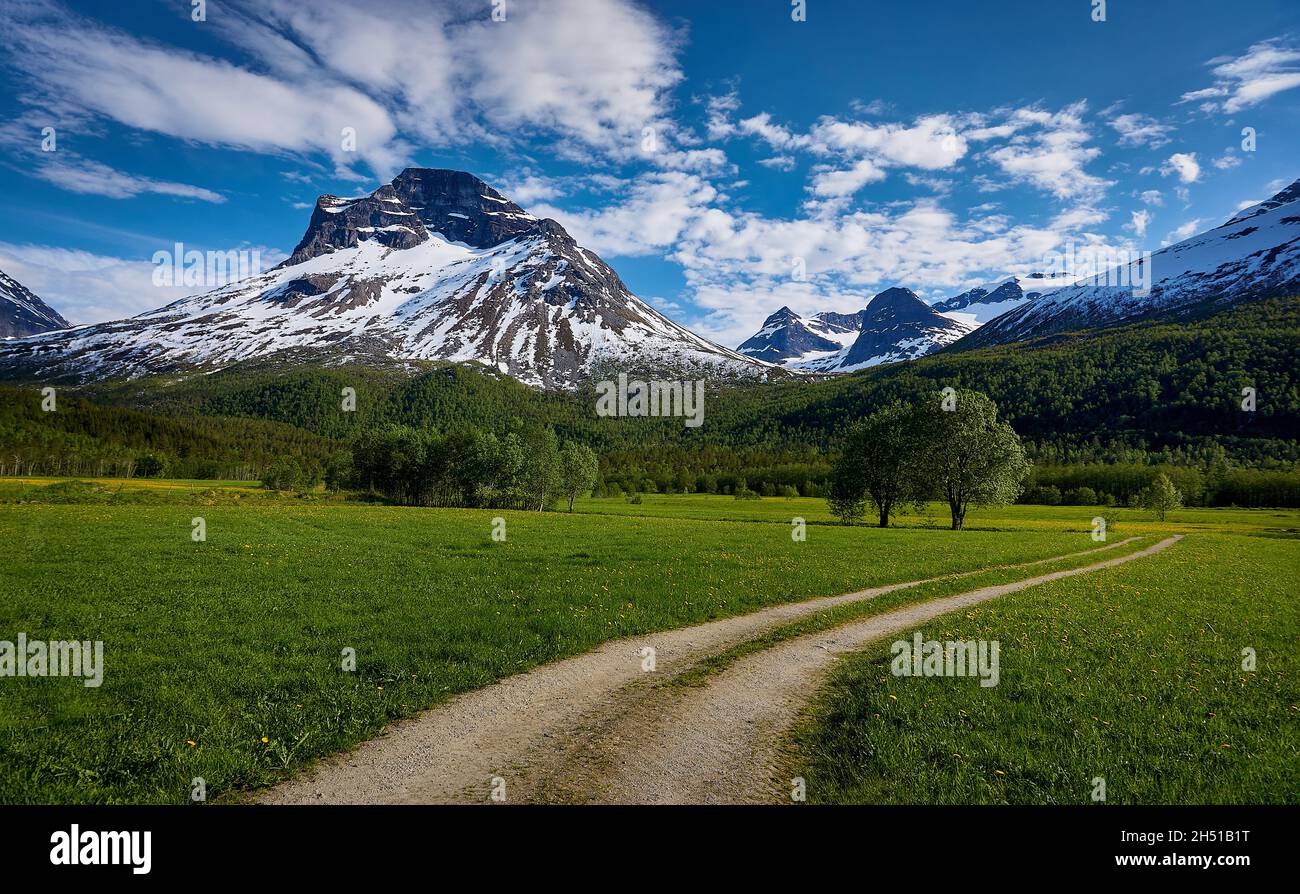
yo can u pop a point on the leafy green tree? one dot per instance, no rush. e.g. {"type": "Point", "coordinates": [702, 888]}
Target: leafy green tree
{"type": "Point", "coordinates": [541, 469]}
{"type": "Point", "coordinates": [339, 472]}
{"type": "Point", "coordinates": [578, 470]}
{"type": "Point", "coordinates": [1080, 496]}
{"type": "Point", "coordinates": [847, 497]}
{"type": "Point", "coordinates": [283, 474]}
{"type": "Point", "coordinates": [971, 457]}
{"type": "Point", "coordinates": [148, 466]}
{"type": "Point", "coordinates": [1161, 497]}
{"type": "Point", "coordinates": [882, 458]}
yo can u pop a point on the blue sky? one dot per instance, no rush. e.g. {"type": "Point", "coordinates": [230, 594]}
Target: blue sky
{"type": "Point", "coordinates": [935, 145]}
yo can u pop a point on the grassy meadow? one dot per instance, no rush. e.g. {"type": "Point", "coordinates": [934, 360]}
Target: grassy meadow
{"type": "Point", "coordinates": [223, 658]}
{"type": "Point", "coordinates": [1133, 675]}
{"type": "Point", "coordinates": [212, 647]}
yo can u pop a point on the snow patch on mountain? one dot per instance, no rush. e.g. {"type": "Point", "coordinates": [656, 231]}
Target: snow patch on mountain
{"type": "Point", "coordinates": [895, 325]}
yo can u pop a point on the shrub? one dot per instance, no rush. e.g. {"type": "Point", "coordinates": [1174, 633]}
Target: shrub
{"type": "Point", "coordinates": [1080, 496]}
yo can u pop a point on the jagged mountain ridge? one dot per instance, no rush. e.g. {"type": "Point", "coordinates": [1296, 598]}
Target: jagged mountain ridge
{"type": "Point", "coordinates": [22, 313]}
{"type": "Point", "coordinates": [979, 305]}
{"type": "Point", "coordinates": [786, 336]}
{"type": "Point", "coordinates": [435, 265]}
{"type": "Point", "coordinates": [895, 325]}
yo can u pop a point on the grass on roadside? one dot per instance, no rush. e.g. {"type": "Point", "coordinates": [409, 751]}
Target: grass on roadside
{"type": "Point", "coordinates": [1132, 674]}
{"type": "Point", "coordinates": [950, 585]}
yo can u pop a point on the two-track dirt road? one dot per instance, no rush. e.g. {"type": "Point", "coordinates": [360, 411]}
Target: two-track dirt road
{"type": "Point", "coordinates": [599, 728]}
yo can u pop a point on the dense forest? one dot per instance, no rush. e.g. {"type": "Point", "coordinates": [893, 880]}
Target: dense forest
{"type": "Point", "coordinates": [87, 439]}
{"type": "Point", "coordinates": [1094, 410]}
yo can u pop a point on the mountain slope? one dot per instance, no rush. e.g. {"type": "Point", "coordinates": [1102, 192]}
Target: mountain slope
{"type": "Point", "coordinates": [22, 313]}
{"type": "Point", "coordinates": [436, 265]}
{"type": "Point", "coordinates": [1254, 255]}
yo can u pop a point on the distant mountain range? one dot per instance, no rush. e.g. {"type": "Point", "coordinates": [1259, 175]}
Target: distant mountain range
{"type": "Point", "coordinates": [435, 265]}
{"type": "Point", "coordinates": [22, 313]}
{"type": "Point", "coordinates": [983, 303]}
{"type": "Point", "coordinates": [438, 265]}
{"type": "Point", "coordinates": [1254, 255]}
{"type": "Point", "coordinates": [895, 325]}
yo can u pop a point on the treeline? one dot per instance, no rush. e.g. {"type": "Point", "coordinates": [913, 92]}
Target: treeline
{"type": "Point", "coordinates": [527, 469]}
{"type": "Point", "coordinates": [1123, 483]}
{"type": "Point", "coordinates": [715, 470]}
{"type": "Point", "coordinates": [1157, 393]}
{"type": "Point", "coordinates": [1152, 396]}
{"type": "Point", "coordinates": [81, 438]}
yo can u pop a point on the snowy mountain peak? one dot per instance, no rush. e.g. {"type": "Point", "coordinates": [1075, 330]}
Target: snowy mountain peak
{"type": "Point", "coordinates": [977, 306]}
{"type": "Point", "coordinates": [899, 326]}
{"type": "Point", "coordinates": [895, 325]}
{"type": "Point", "coordinates": [435, 265]}
{"type": "Point", "coordinates": [1285, 197]}
{"type": "Point", "coordinates": [456, 205]}
{"type": "Point", "coordinates": [22, 313]}
{"type": "Point", "coordinates": [898, 305]}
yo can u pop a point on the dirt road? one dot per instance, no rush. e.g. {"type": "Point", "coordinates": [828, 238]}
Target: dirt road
{"type": "Point", "coordinates": [598, 727]}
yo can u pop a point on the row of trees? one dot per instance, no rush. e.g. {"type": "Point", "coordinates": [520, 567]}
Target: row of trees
{"type": "Point", "coordinates": [1215, 484]}
{"type": "Point", "coordinates": [529, 469]}
{"type": "Point", "coordinates": [953, 448]}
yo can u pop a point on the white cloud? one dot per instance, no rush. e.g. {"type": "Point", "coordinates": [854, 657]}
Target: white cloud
{"type": "Point", "coordinates": [1053, 153]}
{"type": "Point", "coordinates": [863, 151]}
{"type": "Point", "coordinates": [93, 178]}
{"type": "Point", "coordinates": [1141, 219]}
{"type": "Point", "coordinates": [718, 111]}
{"type": "Point", "coordinates": [931, 143]}
{"type": "Point", "coordinates": [656, 209]}
{"type": "Point", "coordinates": [439, 73]}
{"type": "Point", "coordinates": [1186, 231]}
{"type": "Point", "coordinates": [532, 188]}
{"type": "Point", "coordinates": [1136, 129]}
{"type": "Point", "coordinates": [86, 287]}
{"type": "Point", "coordinates": [90, 288]}
{"type": "Point", "coordinates": [1152, 197]}
{"type": "Point", "coordinates": [1267, 68]}
{"type": "Point", "coordinates": [87, 68]}
{"type": "Point", "coordinates": [779, 162]}
{"type": "Point", "coordinates": [1077, 218]}
{"type": "Point", "coordinates": [831, 183]}
{"type": "Point", "coordinates": [737, 264]}
{"type": "Point", "coordinates": [1184, 164]}
{"type": "Point", "coordinates": [1227, 161]}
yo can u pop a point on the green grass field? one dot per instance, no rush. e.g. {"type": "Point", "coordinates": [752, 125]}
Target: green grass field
{"type": "Point", "coordinates": [222, 658]}
{"type": "Point", "coordinates": [1133, 675]}
{"type": "Point", "coordinates": [225, 642]}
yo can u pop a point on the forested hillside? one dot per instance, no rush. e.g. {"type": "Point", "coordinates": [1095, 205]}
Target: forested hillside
{"type": "Point", "coordinates": [1150, 394]}
{"type": "Point", "coordinates": [87, 439]}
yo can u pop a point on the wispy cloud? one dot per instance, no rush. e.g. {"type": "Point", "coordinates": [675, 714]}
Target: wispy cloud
{"type": "Point", "coordinates": [1136, 129]}
{"type": "Point", "coordinates": [1184, 164]}
{"type": "Point", "coordinates": [1267, 68]}
{"type": "Point", "coordinates": [94, 178]}
{"type": "Point", "coordinates": [431, 73]}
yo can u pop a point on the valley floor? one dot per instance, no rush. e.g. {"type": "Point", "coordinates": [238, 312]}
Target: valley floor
{"type": "Point", "coordinates": [224, 659]}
